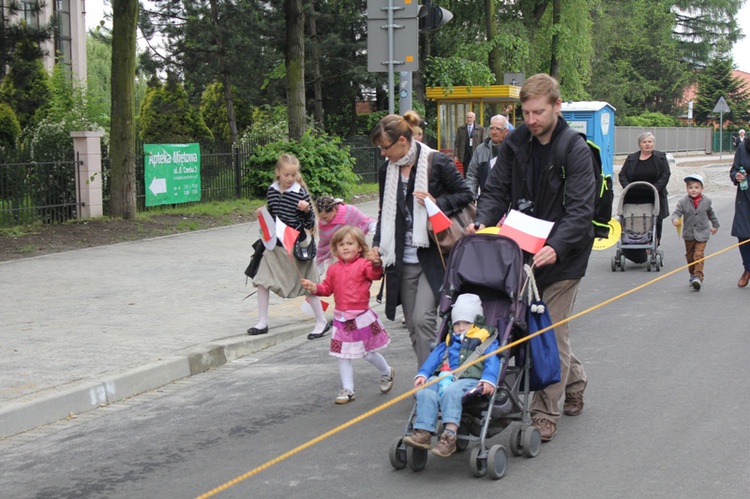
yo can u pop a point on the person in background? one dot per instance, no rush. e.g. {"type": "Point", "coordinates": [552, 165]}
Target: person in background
{"type": "Point", "coordinates": [486, 154]}
{"type": "Point", "coordinates": [652, 166]}
{"type": "Point", "coordinates": [288, 200]}
{"type": "Point", "coordinates": [736, 141]}
{"type": "Point", "coordinates": [334, 214]}
{"type": "Point", "coordinates": [468, 138]}
{"type": "Point", "coordinates": [510, 125]}
{"type": "Point", "coordinates": [699, 222]}
{"type": "Point", "coordinates": [413, 263]}
{"type": "Point", "coordinates": [741, 221]}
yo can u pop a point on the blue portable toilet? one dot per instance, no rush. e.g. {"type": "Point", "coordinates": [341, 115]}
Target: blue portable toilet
{"type": "Point", "coordinates": [597, 120]}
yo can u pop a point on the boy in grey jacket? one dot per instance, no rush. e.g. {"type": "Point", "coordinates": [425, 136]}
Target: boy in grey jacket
{"type": "Point", "coordinates": [699, 222]}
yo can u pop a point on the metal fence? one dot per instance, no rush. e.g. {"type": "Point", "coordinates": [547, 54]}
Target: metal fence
{"type": "Point", "coordinates": [667, 139]}
{"type": "Point", "coordinates": [37, 191]}
{"type": "Point", "coordinates": [33, 192]}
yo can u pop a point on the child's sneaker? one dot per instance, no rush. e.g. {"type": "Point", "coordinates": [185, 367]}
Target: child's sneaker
{"type": "Point", "coordinates": [696, 283]}
{"type": "Point", "coordinates": [345, 396]}
{"type": "Point", "coordinates": [446, 445]}
{"type": "Point", "coordinates": [420, 439]}
{"type": "Point", "coordinates": [386, 381]}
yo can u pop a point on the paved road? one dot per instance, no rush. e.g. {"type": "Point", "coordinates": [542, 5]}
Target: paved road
{"type": "Point", "coordinates": [663, 415]}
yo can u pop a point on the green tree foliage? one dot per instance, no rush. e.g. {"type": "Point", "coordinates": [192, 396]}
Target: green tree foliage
{"type": "Point", "coordinates": [167, 116]}
{"type": "Point", "coordinates": [716, 81]}
{"type": "Point", "coordinates": [214, 111]}
{"type": "Point", "coordinates": [567, 43]}
{"type": "Point", "coordinates": [10, 129]}
{"type": "Point", "coordinates": [267, 122]}
{"type": "Point", "coordinates": [26, 87]}
{"type": "Point", "coordinates": [326, 166]}
{"type": "Point", "coordinates": [639, 55]}
{"type": "Point", "coordinates": [636, 66]}
{"type": "Point", "coordinates": [650, 120]}
{"type": "Point", "coordinates": [99, 77]}
{"type": "Point", "coordinates": [701, 24]}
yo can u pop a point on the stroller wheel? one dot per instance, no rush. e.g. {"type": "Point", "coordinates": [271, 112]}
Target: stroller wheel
{"type": "Point", "coordinates": [659, 262]}
{"type": "Point", "coordinates": [622, 263]}
{"type": "Point", "coordinates": [477, 462]}
{"type": "Point", "coordinates": [417, 458]}
{"type": "Point", "coordinates": [516, 445]}
{"type": "Point", "coordinates": [614, 263]}
{"type": "Point", "coordinates": [497, 462]}
{"type": "Point", "coordinates": [532, 440]}
{"type": "Point", "coordinates": [397, 454]}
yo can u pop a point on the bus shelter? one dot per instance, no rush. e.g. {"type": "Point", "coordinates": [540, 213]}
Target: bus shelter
{"type": "Point", "coordinates": [453, 104]}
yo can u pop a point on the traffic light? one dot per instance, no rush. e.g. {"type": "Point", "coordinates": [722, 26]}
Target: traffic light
{"type": "Point", "coordinates": [432, 17]}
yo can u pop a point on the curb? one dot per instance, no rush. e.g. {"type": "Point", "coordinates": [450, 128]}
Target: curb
{"type": "Point", "coordinates": [82, 397]}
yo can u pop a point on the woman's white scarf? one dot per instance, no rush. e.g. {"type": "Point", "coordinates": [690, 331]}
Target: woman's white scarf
{"type": "Point", "coordinates": [420, 238]}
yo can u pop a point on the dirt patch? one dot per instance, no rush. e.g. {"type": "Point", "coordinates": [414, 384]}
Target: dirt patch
{"type": "Point", "coordinates": [44, 240]}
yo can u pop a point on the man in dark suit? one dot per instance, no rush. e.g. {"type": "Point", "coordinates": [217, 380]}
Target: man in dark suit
{"type": "Point", "coordinates": [468, 137]}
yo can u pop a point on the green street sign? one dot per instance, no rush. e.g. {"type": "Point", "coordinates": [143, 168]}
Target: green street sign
{"type": "Point", "coordinates": [172, 173]}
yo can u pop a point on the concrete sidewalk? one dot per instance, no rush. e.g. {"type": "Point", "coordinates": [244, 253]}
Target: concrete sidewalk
{"type": "Point", "coordinates": [88, 327]}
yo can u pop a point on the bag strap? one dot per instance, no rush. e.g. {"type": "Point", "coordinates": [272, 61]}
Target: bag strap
{"type": "Point", "coordinates": [530, 291]}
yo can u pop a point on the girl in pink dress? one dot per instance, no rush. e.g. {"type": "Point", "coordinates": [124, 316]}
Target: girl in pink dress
{"type": "Point", "coordinates": [357, 331]}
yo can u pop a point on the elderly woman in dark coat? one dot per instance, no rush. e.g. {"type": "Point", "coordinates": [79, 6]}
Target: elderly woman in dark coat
{"type": "Point", "coordinates": [647, 165]}
{"type": "Point", "coordinates": [741, 222]}
{"type": "Point", "coordinates": [413, 266]}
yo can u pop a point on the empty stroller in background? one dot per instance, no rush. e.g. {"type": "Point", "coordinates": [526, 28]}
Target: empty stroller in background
{"type": "Point", "coordinates": [490, 266]}
{"type": "Point", "coordinates": [638, 239]}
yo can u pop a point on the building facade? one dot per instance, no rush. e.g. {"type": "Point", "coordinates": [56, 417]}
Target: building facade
{"type": "Point", "coordinates": [68, 47]}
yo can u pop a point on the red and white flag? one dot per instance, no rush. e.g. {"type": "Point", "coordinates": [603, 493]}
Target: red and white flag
{"type": "Point", "coordinates": [307, 308]}
{"type": "Point", "coordinates": [287, 235]}
{"type": "Point", "coordinates": [438, 219]}
{"type": "Point", "coordinates": [530, 233]}
{"type": "Point", "coordinates": [267, 229]}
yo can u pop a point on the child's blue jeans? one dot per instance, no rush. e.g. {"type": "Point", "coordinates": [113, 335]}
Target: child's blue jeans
{"type": "Point", "coordinates": [449, 404]}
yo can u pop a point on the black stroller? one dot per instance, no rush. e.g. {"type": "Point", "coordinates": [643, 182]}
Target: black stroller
{"type": "Point", "coordinates": [638, 239]}
{"type": "Point", "coordinates": [491, 267]}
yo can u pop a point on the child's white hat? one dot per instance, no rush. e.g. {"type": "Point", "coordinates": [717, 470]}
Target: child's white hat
{"type": "Point", "coordinates": [466, 308]}
{"type": "Point", "coordinates": [695, 177]}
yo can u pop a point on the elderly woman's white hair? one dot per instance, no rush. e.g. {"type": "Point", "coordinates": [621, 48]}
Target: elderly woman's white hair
{"type": "Point", "coordinates": [644, 136]}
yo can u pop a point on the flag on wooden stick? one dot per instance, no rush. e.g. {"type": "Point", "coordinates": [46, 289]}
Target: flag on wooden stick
{"type": "Point", "coordinates": [438, 219]}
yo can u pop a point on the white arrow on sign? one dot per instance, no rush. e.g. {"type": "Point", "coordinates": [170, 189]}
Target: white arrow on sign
{"type": "Point", "coordinates": [158, 186]}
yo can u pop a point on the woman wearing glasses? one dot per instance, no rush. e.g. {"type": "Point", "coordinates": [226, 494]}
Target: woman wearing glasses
{"type": "Point", "coordinates": [413, 264]}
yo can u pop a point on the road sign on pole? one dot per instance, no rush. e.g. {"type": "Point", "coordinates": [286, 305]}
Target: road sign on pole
{"type": "Point", "coordinates": [172, 173]}
{"type": "Point", "coordinates": [721, 107]}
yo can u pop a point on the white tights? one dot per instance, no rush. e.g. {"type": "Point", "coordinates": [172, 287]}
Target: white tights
{"type": "Point", "coordinates": [263, 298]}
{"type": "Point", "coordinates": [347, 372]}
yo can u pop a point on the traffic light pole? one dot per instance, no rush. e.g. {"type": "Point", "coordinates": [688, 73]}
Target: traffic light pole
{"type": "Point", "coordinates": [391, 56]}
{"type": "Point", "coordinates": [404, 94]}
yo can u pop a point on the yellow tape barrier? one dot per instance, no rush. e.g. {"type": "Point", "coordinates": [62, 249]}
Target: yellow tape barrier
{"type": "Point", "coordinates": [458, 370]}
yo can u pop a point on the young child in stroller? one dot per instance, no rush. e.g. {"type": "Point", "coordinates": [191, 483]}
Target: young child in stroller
{"type": "Point", "coordinates": [469, 333]}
